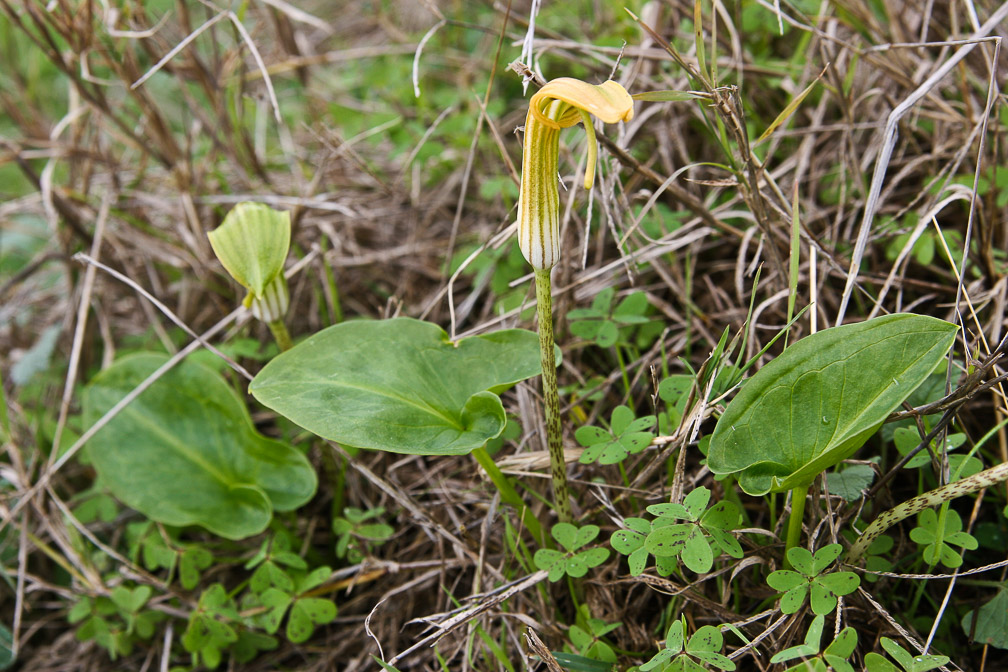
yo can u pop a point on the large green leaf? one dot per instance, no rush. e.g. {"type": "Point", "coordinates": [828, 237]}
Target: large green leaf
{"type": "Point", "coordinates": [399, 385]}
{"type": "Point", "coordinates": [184, 452]}
{"type": "Point", "coordinates": [821, 399]}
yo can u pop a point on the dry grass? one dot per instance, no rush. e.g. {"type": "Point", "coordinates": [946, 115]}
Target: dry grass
{"type": "Point", "coordinates": [135, 176]}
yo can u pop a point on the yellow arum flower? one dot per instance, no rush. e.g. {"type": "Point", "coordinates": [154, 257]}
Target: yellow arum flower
{"type": "Point", "coordinates": [560, 104]}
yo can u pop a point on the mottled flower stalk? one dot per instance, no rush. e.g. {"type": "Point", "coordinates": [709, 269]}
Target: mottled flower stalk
{"type": "Point", "coordinates": [965, 486]}
{"type": "Point", "coordinates": [551, 396]}
{"type": "Point", "coordinates": [559, 104]}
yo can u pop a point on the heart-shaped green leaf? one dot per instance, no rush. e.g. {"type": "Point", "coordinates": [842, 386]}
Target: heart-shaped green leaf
{"type": "Point", "coordinates": [821, 399]}
{"type": "Point", "coordinates": [725, 541]}
{"type": "Point", "coordinates": [668, 540]}
{"type": "Point", "coordinates": [131, 601]}
{"type": "Point", "coordinates": [637, 560]}
{"type": "Point", "coordinates": [552, 561]}
{"type": "Point", "coordinates": [276, 603]}
{"type": "Point", "coordinates": [792, 600]}
{"type": "Point", "coordinates": [697, 554]}
{"type": "Point", "coordinates": [578, 565]}
{"type": "Point", "coordinates": [825, 556]}
{"type": "Point", "coordinates": [305, 614]}
{"type": "Point", "coordinates": [626, 541]}
{"type": "Point", "coordinates": [802, 560]}
{"type": "Point", "coordinates": [785, 579]}
{"type": "Point", "coordinates": [566, 535]}
{"type": "Point", "coordinates": [584, 535]}
{"type": "Point", "coordinates": [399, 385]}
{"type": "Point", "coordinates": [675, 639]}
{"type": "Point", "coordinates": [669, 510]}
{"type": "Point", "coordinates": [991, 622]}
{"type": "Point", "coordinates": [844, 644]}
{"type": "Point", "coordinates": [707, 638]}
{"type": "Point", "coordinates": [184, 452]}
{"type": "Point", "coordinates": [191, 562]}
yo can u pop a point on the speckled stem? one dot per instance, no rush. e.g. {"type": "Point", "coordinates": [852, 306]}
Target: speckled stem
{"type": "Point", "coordinates": [551, 396]}
{"type": "Point", "coordinates": [965, 486]}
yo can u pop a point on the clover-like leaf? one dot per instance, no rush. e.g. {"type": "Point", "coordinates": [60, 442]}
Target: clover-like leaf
{"type": "Point", "coordinates": [809, 581]}
{"type": "Point", "coordinates": [630, 542]}
{"type": "Point", "coordinates": [131, 600]}
{"type": "Point", "coordinates": [827, 588]}
{"type": "Point", "coordinates": [844, 644]}
{"type": "Point", "coordinates": [668, 540]}
{"type": "Point", "coordinates": [725, 541]}
{"type": "Point", "coordinates": [184, 451]}
{"type": "Point", "coordinates": [627, 435]}
{"type": "Point", "coordinates": [909, 662]}
{"type": "Point", "coordinates": [626, 541]}
{"type": "Point", "coordinates": [579, 564]}
{"type": "Point", "coordinates": [671, 510]}
{"type": "Point", "coordinates": [792, 600]}
{"type": "Point", "coordinates": [850, 482]}
{"type": "Point", "coordinates": [705, 645]}
{"type": "Point", "coordinates": [270, 574]}
{"type": "Point", "coordinates": [696, 502]}
{"type": "Point", "coordinates": [907, 439]}
{"type": "Point", "coordinates": [802, 560]}
{"type": "Point", "coordinates": [675, 638]}
{"type": "Point", "coordinates": [552, 561]}
{"type": "Point", "coordinates": [820, 400]}
{"type": "Point", "coordinates": [276, 603]}
{"type": "Point", "coordinates": [658, 661]}
{"type": "Point", "coordinates": [825, 557]}
{"type": "Point", "coordinates": [192, 561]}
{"type": "Point", "coordinates": [307, 613]}
{"type": "Point", "coordinates": [937, 535]}
{"type": "Point", "coordinates": [567, 535]}
{"type": "Point", "coordinates": [706, 638]}
{"type": "Point", "coordinates": [399, 385]}
{"type": "Point", "coordinates": [724, 516]}
{"type": "Point", "coordinates": [991, 622]}
{"type": "Point", "coordinates": [696, 553]}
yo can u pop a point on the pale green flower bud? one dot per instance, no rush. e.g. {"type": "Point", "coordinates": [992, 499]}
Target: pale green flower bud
{"type": "Point", "coordinates": [252, 245]}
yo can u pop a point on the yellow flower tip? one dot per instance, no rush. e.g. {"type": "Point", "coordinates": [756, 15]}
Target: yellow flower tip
{"type": "Point", "coordinates": [561, 103]}
{"type": "Point", "coordinates": [608, 101]}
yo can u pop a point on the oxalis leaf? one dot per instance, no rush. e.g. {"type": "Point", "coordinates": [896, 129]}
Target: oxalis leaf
{"type": "Point", "coordinates": [399, 385]}
{"type": "Point", "coordinates": [821, 399]}
{"type": "Point", "coordinates": [184, 452]}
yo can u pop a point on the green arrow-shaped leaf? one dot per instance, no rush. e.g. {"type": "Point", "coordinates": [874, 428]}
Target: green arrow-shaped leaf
{"type": "Point", "coordinates": [399, 385]}
{"type": "Point", "coordinates": [821, 399]}
{"type": "Point", "coordinates": [184, 452]}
